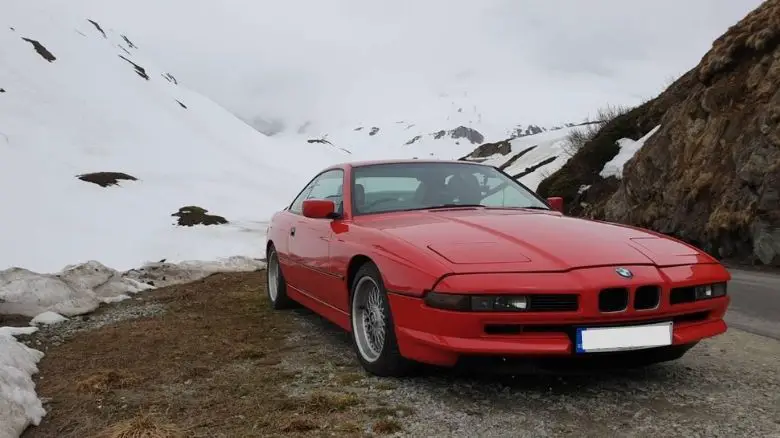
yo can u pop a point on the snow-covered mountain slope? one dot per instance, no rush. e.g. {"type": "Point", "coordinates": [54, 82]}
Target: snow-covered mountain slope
{"type": "Point", "coordinates": [78, 97]}
{"type": "Point", "coordinates": [529, 158]}
{"type": "Point", "coordinates": [452, 127]}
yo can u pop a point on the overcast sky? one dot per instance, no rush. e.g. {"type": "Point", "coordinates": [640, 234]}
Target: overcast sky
{"type": "Point", "coordinates": [529, 61]}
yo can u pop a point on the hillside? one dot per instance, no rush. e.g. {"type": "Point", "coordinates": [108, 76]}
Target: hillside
{"type": "Point", "coordinates": [79, 98]}
{"type": "Point", "coordinates": [453, 128]}
{"type": "Point", "coordinates": [527, 156]}
{"type": "Point", "coordinates": [710, 173]}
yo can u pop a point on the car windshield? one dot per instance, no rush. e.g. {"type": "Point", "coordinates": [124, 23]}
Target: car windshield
{"type": "Point", "coordinates": [379, 188]}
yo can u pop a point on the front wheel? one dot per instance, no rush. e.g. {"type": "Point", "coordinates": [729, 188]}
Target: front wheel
{"type": "Point", "coordinates": [373, 331]}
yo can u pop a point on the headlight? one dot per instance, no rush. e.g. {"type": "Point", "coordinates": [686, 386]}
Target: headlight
{"type": "Point", "coordinates": [477, 303]}
{"type": "Point", "coordinates": [710, 291]}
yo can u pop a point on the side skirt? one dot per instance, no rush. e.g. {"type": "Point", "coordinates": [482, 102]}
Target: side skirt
{"type": "Point", "coordinates": [332, 314]}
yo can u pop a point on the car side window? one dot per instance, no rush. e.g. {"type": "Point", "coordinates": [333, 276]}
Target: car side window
{"type": "Point", "coordinates": [326, 186]}
{"type": "Point", "coordinates": [297, 205]}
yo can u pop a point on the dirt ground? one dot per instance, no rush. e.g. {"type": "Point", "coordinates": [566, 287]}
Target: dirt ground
{"type": "Point", "coordinates": [210, 365]}
{"type": "Point", "coordinates": [210, 359]}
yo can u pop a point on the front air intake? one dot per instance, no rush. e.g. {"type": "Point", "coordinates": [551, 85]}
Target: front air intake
{"type": "Point", "coordinates": [613, 299]}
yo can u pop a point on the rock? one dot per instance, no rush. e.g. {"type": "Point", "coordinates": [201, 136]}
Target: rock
{"type": "Point", "coordinates": [469, 134]}
{"type": "Point", "coordinates": [711, 174]}
{"type": "Point", "coordinates": [41, 50]}
{"type": "Point", "coordinates": [193, 215]}
{"type": "Point", "coordinates": [106, 179]}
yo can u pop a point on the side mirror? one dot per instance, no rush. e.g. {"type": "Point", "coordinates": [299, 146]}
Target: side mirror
{"type": "Point", "coordinates": [319, 209]}
{"type": "Point", "coordinates": [556, 203]}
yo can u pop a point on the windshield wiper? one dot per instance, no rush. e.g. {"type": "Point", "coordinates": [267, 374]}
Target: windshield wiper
{"type": "Point", "coordinates": [443, 206]}
{"type": "Point", "coordinates": [535, 207]}
{"type": "Point", "coordinates": [446, 206]}
{"type": "Point", "coordinates": [436, 207]}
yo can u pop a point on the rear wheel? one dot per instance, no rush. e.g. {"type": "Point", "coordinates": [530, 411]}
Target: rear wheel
{"type": "Point", "coordinates": [373, 331]}
{"type": "Point", "coordinates": [276, 286]}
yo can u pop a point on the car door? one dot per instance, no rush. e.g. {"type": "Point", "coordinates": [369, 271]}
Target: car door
{"type": "Point", "coordinates": [310, 239]}
{"type": "Point", "coordinates": [282, 233]}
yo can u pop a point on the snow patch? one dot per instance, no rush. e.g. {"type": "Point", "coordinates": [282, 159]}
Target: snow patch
{"type": "Point", "coordinates": [628, 148]}
{"type": "Point", "coordinates": [73, 291]}
{"type": "Point", "coordinates": [161, 274]}
{"type": "Point", "coordinates": [76, 290]}
{"type": "Point", "coordinates": [19, 404]}
{"type": "Point", "coordinates": [546, 158]}
{"type": "Point", "coordinates": [48, 318]}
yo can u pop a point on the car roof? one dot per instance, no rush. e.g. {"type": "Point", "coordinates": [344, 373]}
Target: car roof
{"type": "Point", "coordinates": [348, 164]}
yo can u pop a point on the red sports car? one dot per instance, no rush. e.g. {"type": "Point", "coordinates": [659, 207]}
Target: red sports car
{"type": "Point", "coordinates": [437, 261]}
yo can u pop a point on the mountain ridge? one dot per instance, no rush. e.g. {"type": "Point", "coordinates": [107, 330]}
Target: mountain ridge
{"type": "Point", "coordinates": [711, 174]}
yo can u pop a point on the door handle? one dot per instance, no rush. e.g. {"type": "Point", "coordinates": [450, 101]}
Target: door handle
{"type": "Point", "coordinates": [292, 231]}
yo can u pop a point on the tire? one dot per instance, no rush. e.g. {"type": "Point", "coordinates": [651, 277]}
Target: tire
{"type": "Point", "coordinates": [276, 286]}
{"type": "Point", "coordinates": [369, 304]}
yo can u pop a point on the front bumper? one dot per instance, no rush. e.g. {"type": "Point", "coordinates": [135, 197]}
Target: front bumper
{"type": "Point", "coordinates": [441, 337]}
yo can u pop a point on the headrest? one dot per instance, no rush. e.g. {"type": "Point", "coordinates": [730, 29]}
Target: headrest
{"type": "Point", "coordinates": [360, 191]}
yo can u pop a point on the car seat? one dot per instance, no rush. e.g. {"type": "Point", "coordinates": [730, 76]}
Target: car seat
{"type": "Point", "coordinates": [429, 193]}
{"type": "Point", "coordinates": [358, 197]}
{"type": "Point", "coordinates": [465, 188]}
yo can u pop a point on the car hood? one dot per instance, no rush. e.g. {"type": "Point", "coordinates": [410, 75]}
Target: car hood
{"type": "Point", "coordinates": [485, 240]}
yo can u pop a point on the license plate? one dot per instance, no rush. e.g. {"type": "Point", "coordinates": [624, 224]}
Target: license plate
{"type": "Point", "coordinates": [602, 339]}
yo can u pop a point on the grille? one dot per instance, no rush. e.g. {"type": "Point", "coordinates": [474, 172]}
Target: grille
{"type": "Point", "coordinates": [553, 303]}
{"type": "Point", "coordinates": [647, 297]}
{"type": "Point", "coordinates": [613, 299]}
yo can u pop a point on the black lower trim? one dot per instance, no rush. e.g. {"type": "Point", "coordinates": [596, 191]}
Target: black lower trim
{"type": "Point", "coordinates": [575, 363]}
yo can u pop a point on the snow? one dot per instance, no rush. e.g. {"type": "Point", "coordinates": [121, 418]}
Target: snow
{"type": "Point", "coordinates": [404, 138]}
{"type": "Point", "coordinates": [89, 111]}
{"type": "Point", "coordinates": [48, 318]}
{"type": "Point", "coordinates": [628, 148]}
{"type": "Point", "coordinates": [19, 404]}
{"type": "Point", "coordinates": [359, 61]}
{"type": "Point", "coordinates": [548, 147]}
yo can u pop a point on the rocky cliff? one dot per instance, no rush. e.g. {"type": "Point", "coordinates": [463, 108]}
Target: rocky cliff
{"type": "Point", "coordinates": [711, 174]}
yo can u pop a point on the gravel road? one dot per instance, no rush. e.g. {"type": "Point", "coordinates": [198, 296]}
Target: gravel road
{"type": "Point", "coordinates": [755, 302]}
{"type": "Point", "coordinates": [725, 387]}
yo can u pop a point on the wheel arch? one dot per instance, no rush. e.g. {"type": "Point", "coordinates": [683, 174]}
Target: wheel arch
{"type": "Point", "coordinates": [353, 267]}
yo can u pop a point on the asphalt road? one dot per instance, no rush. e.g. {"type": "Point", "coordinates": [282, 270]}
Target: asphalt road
{"type": "Point", "coordinates": [755, 302]}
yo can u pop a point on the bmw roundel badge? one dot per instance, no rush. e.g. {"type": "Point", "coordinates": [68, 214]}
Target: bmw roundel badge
{"type": "Point", "coordinates": [623, 272]}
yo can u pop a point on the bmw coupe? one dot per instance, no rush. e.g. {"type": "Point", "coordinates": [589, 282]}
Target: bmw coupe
{"type": "Point", "coordinates": [438, 261]}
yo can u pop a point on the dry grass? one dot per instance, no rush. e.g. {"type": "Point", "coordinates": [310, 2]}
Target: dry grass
{"type": "Point", "coordinates": [143, 426]}
{"type": "Point", "coordinates": [385, 386]}
{"type": "Point", "coordinates": [387, 426]}
{"type": "Point", "coordinates": [581, 135]}
{"type": "Point", "coordinates": [349, 378]}
{"type": "Point", "coordinates": [302, 424]}
{"type": "Point", "coordinates": [390, 411]}
{"type": "Point", "coordinates": [214, 363]}
{"type": "Point", "coordinates": [757, 32]}
{"type": "Point", "coordinates": [104, 381]}
{"type": "Point", "coordinates": [322, 403]}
